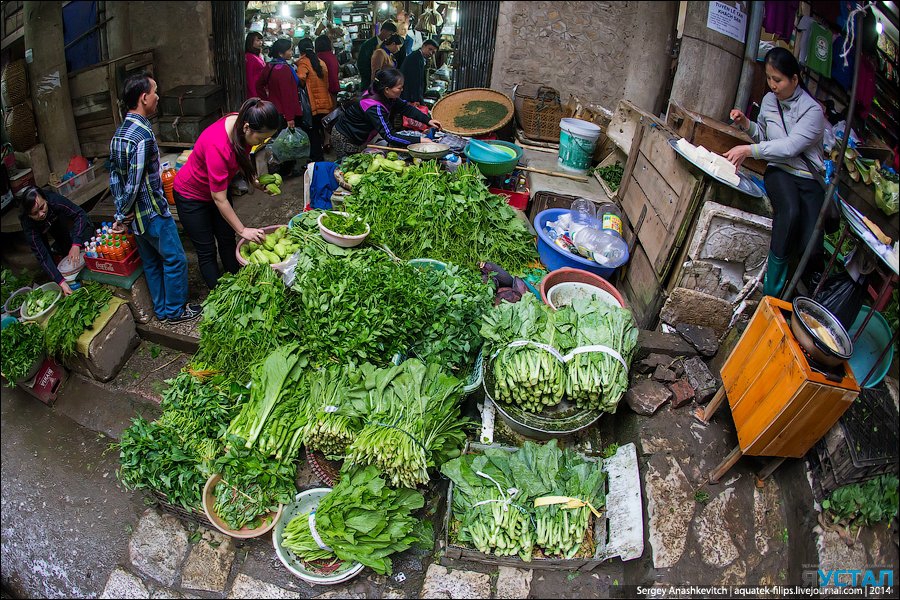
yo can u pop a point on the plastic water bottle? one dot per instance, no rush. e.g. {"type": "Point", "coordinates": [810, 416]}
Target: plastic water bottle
{"type": "Point", "coordinates": [603, 247]}
{"type": "Point", "coordinates": [583, 212]}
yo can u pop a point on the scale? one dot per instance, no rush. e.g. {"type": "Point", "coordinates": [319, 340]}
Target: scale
{"type": "Point", "coordinates": [46, 383]}
{"type": "Point", "coordinates": [746, 185]}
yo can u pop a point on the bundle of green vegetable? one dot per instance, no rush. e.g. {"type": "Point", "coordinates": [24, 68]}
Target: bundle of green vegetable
{"type": "Point", "coordinates": [611, 174]}
{"type": "Point", "coordinates": [864, 504]}
{"type": "Point", "coordinates": [527, 375]}
{"type": "Point", "coordinates": [534, 377]}
{"type": "Point", "coordinates": [459, 298]}
{"type": "Point", "coordinates": [251, 486]}
{"type": "Point", "coordinates": [597, 379]}
{"type": "Point", "coordinates": [357, 166]}
{"type": "Point", "coordinates": [537, 500]}
{"type": "Point", "coordinates": [343, 224]}
{"type": "Point", "coordinates": [198, 409]}
{"type": "Point", "coordinates": [275, 381]}
{"type": "Point", "coordinates": [413, 421]}
{"type": "Point", "coordinates": [336, 410]}
{"type": "Point", "coordinates": [243, 321]}
{"type": "Point", "coordinates": [275, 248]}
{"type": "Point", "coordinates": [10, 282]}
{"type": "Point", "coordinates": [74, 315]}
{"type": "Point", "coordinates": [361, 520]}
{"type": "Point", "coordinates": [38, 300]}
{"type": "Point", "coordinates": [152, 456]}
{"type": "Point", "coordinates": [23, 345]}
{"type": "Point", "coordinates": [426, 212]}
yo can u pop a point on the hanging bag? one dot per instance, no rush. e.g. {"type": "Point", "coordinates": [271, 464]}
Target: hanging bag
{"type": "Point", "coordinates": [306, 119]}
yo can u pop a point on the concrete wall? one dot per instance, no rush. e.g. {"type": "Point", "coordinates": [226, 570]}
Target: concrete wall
{"type": "Point", "coordinates": [600, 51]}
{"type": "Point", "coordinates": [178, 32]}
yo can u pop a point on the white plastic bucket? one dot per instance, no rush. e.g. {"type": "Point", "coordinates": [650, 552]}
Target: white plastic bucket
{"type": "Point", "coordinates": [577, 140]}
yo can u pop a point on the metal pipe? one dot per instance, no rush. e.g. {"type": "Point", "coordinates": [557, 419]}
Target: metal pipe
{"type": "Point", "coordinates": [750, 51]}
{"type": "Point", "coordinates": [829, 194]}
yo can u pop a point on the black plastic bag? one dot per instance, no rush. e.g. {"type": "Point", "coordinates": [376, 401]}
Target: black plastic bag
{"type": "Point", "coordinates": [843, 298]}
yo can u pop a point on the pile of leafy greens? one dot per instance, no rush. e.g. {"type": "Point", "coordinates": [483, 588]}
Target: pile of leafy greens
{"type": "Point", "coordinates": [74, 315]}
{"type": "Point", "coordinates": [10, 282]}
{"type": "Point", "coordinates": [494, 496]}
{"type": "Point", "coordinates": [426, 212]}
{"type": "Point", "coordinates": [362, 520]}
{"type": "Point", "coordinates": [864, 504]}
{"type": "Point", "coordinates": [533, 377]}
{"type": "Point", "coordinates": [23, 345]}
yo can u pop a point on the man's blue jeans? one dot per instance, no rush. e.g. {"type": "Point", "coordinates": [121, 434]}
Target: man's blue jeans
{"type": "Point", "coordinates": [165, 266]}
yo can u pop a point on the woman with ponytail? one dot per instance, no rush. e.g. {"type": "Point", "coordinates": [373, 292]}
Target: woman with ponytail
{"type": "Point", "coordinates": [201, 186]}
{"type": "Point", "coordinates": [374, 113]}
{"type": "Point", "coordinates": [313, 73]}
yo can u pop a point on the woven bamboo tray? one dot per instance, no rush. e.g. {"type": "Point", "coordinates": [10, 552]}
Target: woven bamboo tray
{"type": "Point", "coordinates": [192, 516]}
{"type": "Point", "coordinates": [327, 471]}
{"type": "Point", "coordinates": [452, 105]}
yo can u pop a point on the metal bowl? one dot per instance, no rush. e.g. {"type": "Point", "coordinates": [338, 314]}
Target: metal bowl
{"type": "Point", "coordinates": [428, 150]}
{"type": "Point", "coordinates": [811, 341]}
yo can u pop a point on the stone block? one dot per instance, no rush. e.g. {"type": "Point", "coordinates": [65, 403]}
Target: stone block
{"type": "Point", "coordinates": [646, 397]}
{"type": "Point", "coordinates": [682, 393]}
{"type": "Point", "coordinates": [701, 379]}
{"type": "Point", "coordinates": [122, 584]}
{"type": "Point", "coordinates": [715, 526]}
{"type": "Point", "coordinates": [657, 342]}
{"type": "Point", "coordinates": [209, 563]}
{"type": "Point", "coordinates": [648, 365]}
{"type": "Point", "coordinates": [158, 546]}
{"type": "Point", "coordinates": [138, 298]}
{"type": "Point", "coordinates": [109, 350]}
{"type": "Point", "coordinates": [711, 278]}
{"type": "Point", "coordinates": [663, 374]}
{"type": "Point", "coordinates": [247, 587]}
{"type": "Point", "coordinates": [696, 308]}
{"type": "Point", "coordinates": [731, 235]}
{"type": "Point", "coordinates": [513, 583]}
{"type": "Point", "coordinates": [670, 508]}
{"type": "Point", "coordinates": [702, 338]}
{"type": "Point", "coordinates": [458, 584]}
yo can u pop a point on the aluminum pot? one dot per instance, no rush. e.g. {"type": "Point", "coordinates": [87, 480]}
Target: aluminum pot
{"type": "Point", "coordinates": [817, 349]}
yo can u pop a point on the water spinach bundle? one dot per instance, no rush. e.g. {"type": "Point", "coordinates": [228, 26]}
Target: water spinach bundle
{"type": "Point", "coordinates": [74, 315]}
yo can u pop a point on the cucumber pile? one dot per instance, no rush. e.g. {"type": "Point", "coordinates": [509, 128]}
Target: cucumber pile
{"type": "Point", "coordinates": [276, 248]}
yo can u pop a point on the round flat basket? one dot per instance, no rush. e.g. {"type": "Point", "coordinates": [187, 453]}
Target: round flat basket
{"type": "Point", "coordinates": [209, 501]}
{"type": "Point", "coordinates": [560, 421]}
{"type": "Point", "coordinates": [456, 105]}
{"type": "Point", "coordinates": [318, 574]}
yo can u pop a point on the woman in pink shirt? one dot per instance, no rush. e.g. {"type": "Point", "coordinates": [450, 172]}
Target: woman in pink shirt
{"type": "Point", "coordinates": [253, 60]}
{"type": "Point", "coordinates": [201, 186]}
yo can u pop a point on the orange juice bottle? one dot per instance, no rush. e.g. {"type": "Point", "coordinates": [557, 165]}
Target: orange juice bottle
{"type": "Point", "coordinates": [168, 181]}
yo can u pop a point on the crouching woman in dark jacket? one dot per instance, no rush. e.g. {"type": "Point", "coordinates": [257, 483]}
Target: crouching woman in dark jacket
{"type": "Point", "coordinates": [44, 213]}
{"type": "Point", "coordinates": [373, 115]}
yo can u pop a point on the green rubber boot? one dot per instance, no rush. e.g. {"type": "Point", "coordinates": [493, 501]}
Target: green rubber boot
{"type": "Point", "coordinates": [776, 276]}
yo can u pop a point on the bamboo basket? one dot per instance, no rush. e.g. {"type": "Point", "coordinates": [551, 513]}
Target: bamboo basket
{"type": "Point", "coordinates": [14, 84]}
{"type": "Point", "coordinates": [451, 106]}
{"type": "Point", "coordinates": [538, 112]}
{"type": "Point", "coordinates": [21, 127]}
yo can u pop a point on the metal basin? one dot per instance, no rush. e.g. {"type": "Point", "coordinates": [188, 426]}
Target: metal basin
{"type": "Point", "coordinates": [812, 325]}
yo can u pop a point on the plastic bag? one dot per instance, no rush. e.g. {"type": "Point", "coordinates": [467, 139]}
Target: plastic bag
{"type": "Point", "coordinates": [290, 144]}
{"type": "Point", "coordinates": [409, 123]}
{"type": "Point", "coordinates": [887, 192]}
{"type": "Point", "coordinates": [843, 297]}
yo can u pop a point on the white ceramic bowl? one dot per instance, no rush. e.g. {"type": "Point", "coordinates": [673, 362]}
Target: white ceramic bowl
{"type": "Point", "coordinates": [344, 241]}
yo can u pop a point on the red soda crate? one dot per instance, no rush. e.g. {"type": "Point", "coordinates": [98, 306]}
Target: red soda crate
{"type": "Point", "coordinates": [123, 267]}
{"type": "Point", "coordinates": [516, 199]}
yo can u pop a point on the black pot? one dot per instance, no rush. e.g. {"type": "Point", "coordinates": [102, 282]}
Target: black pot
{"type": "Point", "coordinates": [817, 349]}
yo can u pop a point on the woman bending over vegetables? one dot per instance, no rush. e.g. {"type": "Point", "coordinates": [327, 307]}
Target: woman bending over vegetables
{"type": "Point", "coordinates": [374, 113]}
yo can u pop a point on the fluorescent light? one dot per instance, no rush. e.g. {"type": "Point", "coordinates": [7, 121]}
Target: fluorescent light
{"type": "Point", "coordinates": [879, 27]}
{"type": "Point", "coordinates": [384, 6]}
{"type": "Point", "coordinates": [454, 17]}
{"type": "Point", "coordinates": [285, 10]}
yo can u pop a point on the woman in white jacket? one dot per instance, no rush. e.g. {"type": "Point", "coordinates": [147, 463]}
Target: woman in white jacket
{"type": "Point", "coordinates": [788, 132]}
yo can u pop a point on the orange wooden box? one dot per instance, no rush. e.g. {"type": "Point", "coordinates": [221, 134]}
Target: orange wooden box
{"type": "Point", "coordinates": [780, 406]}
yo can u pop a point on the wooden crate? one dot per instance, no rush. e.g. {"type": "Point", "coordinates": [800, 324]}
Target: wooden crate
{"type": "Point", "coordinates": [612, 158]}
{"type": "Point", "coordinates": [713, 135]}
{"type": "Point", "coordinates": [780, 406]}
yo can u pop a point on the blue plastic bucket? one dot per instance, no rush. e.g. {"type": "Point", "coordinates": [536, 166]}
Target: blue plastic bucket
{"type": "Point", "coordinates": [577, 140]}
{"type": "Point", "coordinates": [869, 346]}
{"type": "Point", "coordinates": [555, 257]}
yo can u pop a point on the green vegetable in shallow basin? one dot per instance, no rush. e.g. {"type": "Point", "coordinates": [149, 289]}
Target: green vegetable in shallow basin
{"type": "Point", "coordinates": [37, 300]}
{"type": "Point", "coordinates": [23, 344]}
{"type": "Point", "coordinates": [343, 224]}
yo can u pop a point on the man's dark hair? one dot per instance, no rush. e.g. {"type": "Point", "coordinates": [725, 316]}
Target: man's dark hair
{"type": "Point", "coordinates": [430, 42]}
{"type": "Point", "coordinates": [389, 26]}
{"type": "Point", "coordinates": [135, 87]}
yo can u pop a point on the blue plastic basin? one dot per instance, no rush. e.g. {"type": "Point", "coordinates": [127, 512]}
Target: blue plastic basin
{"type": "Point", "coordinates": [555, 257]}
{"type": "Point", "coordinates": [869, 346]}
